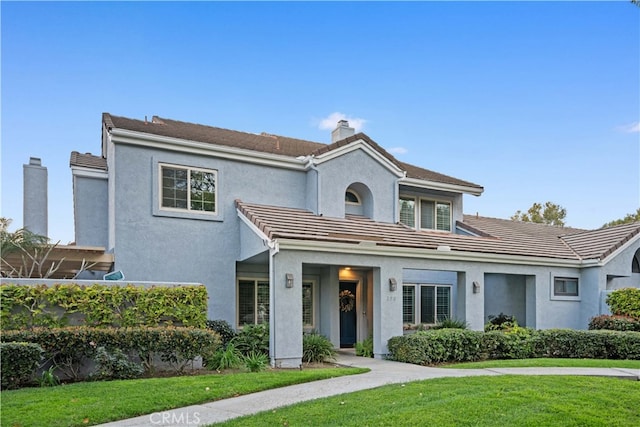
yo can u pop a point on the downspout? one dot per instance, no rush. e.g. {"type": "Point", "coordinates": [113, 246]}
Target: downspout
{"type": "Point", "coordinates": [274, 248]}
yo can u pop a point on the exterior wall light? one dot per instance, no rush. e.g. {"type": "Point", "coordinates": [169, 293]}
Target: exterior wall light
{"type": "Point", "coordinates": [289, 280]}
{"type": "Point", "coordinates": [393, 284]}
{"type": "Point", "coordinates": [476, 287]}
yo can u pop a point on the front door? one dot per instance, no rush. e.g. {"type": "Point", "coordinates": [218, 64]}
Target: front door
{"type": "Point", "coordinates": [348, 318]}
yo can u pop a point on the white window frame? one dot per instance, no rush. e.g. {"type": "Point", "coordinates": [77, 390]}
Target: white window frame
{"type": "Point", "coordinates": [314, 292]}
{"type": "Point", "coordinates": [565, 296]}
{"type": "Point", "coordinates": [417, 212]}
{"type": "Point", "coordinates": [189, 170]}
{"type": "Point", "coordinates": [417, 301]}
{"type": "Point", "coordinates": [255, 281]}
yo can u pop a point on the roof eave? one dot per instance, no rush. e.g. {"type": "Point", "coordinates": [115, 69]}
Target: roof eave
{"type": "Point", "coordinates": [442, 186]}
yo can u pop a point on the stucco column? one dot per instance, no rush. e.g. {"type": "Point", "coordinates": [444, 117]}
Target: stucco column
{"type": "Point", "coordinates": [285, 311]}
{"type": "Point", "coordinates": [387, 308]}
{"type": "Point", "coordinates": [470, 304]}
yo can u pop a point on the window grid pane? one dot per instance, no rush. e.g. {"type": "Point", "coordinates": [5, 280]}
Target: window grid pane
{"type": "Point", "coordinates": [188, 189]}
{"type": "Point", "coordinates": [443, 212]}
{"type": "Point", "coordinates": [246, 302]}
{"type": "Point", "coordinates": [307, 304]}
{"type": "Point", "coordinates": [202, 191]}
{"type": "Point", "coordinates": [174, 183]}
{"type": "Point", "coordinates": [262, 308]}
{"type": "Point", "coordinates": [427, 304]}
{"type": "Point", "coordinates": [443, 303]}
{"type": "Point", "coordinates": [427, 208]}
{"type": "Point", "coordinates": [408, 304]}
{"type": "Point", "coordinates": [408, 212]}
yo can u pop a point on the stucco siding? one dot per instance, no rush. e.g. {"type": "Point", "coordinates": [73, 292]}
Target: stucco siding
{"type": "Point", "coordinates": [91, 211]}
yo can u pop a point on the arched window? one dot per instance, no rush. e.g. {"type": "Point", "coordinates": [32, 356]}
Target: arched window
{"type": "Point", "coordinates": [635, 262]}
{"type": "Point", "coordinates": [351, 197]}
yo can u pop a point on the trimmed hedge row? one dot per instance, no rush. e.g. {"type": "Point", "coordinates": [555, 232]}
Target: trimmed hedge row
{"type": "Point", "coordinates": [614, 323]}
{"type": "Point", "coordinates": [19, 362]}
{"type": "Point", "coordinates": [69, 349]}
{"type": "Point", "coordinates": [99, 305]}
{"type": "Point", "coordinates": [625, 302]}
{"type": "Point", "coordinates": [454, 345]}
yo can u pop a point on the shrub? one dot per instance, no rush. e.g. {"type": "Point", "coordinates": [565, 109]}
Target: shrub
{"type": "Point", "coordinates": [115, 365]}
{"type": "Point", "coordinates": [253, 338]}
{"type": "Point", "coordinates": [256, 361]}
{"type": "Point", "coordinates": [614, 323]}
{"type": "Point", "coordinates": [517, 343]}
{"type": "Point", "coordinates": [625, 302]}
{"type": "Point", "coordinates": [98, 305]}
{"type": "Point", "coordinates": [365, 348]}
{"type": "Point", "coordinates": [317, 348]}
{"type": "Point", "coordinates": [223, 328]}
{"type": "Point", "coordinates": [439, 346]}
{"type": "Point", "coordinates": [500, 322]}
{"type": "Point", "coordinates": [224, 358]}
{"type": "Point", "coordinates": [70, 348]}
{"type": "Point", "coordinates": [568, 343]}
{"type": "Point", "coordinates": [19, 362]}
{"type": "Point", "coordinates": [451, 323]}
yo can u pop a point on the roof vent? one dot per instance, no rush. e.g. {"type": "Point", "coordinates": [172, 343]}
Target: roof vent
{"type": "Point", "coordinates": [444, 248]}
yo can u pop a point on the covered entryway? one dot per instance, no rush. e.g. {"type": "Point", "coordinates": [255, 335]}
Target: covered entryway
{"type": "Point", "coordinates": [348, 314]}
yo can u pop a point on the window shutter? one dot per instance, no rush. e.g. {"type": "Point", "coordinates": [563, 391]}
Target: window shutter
{"type": "Point", "coordinates": [427, 208]}
{"type": "Point", "coordinates": [443, 216]}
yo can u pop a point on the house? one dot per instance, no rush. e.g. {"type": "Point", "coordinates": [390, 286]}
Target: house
{"type": "Point", "coordinates": [341, 238]}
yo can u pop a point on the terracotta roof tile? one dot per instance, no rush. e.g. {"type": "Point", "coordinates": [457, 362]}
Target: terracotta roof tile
{"type": "Point", "coordinates": [598, 244]}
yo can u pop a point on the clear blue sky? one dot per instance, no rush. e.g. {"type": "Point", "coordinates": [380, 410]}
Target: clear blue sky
{"type": "Point", "coordinates": [535, 101]}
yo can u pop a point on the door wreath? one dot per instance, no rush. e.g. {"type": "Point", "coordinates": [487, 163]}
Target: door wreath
{"type": "Point", "coordinates": [347, 300]}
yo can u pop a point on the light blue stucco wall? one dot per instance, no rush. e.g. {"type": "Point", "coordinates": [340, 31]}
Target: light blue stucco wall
{"type": "Point", "coordinates": [91, 211]}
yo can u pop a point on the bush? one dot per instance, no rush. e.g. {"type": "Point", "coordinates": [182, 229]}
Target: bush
{"type": "Point", "coordinates": [256, 361]}
{"type": "Point", "coordinates": [19, 362]}
{"type": "Point", "coordinates": [438, 346]}
{"type": "Point", "coordinates": [115, 365]}
{"type": "Point", "coordinates": [568, 343]}
{"type": "Point", "coordinates": [365, 348]}
{"type": "Point", "coordinates": [223, 328]}
{"type": "Point", "coordinates": [450, 323]}
{"type": "Point", "coordinates": [224, 358]}
{"type": "Point", "coordinates": [500, 322]}
{"type": "Point", "coordinates": [253, 338]}
{"type": "Point", "coordinates": [517, 343]}
{"type": "Point", "coordinates": [70, 348]}
{"type": "Point", "coordinates": [317, 348]}
{"type": "Point", "coordinates": [23, 306]}
{"type": "Point", "coordinates": [625, 302]}
{"type": "Point", "coordinates": [614, 323]}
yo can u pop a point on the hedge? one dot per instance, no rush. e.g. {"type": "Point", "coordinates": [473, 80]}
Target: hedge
{"type": "Point", "coordinates": [454, 345]}
{"type": "Point", "coordinates": [19, 362]}
{"type": "Point", "coordinates": [614, 323]}
{"type": "Point", "coordinates": [69, 349]}
{"type": "Point", "coordinates": [100, 305]}
{"type": "Point", "coordinates": [625, 302]}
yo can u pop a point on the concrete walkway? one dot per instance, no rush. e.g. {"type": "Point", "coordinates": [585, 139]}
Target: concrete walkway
{"type": "Point", "coordinates": [382, 372]}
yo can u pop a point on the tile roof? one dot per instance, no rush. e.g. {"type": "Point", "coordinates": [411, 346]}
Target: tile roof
{"type": "Point", "coordinates": [500, 237]}
{"type": "Point", "coordinates": [598, 244]}
{"type": "Point", "coordinates": [264, 142]}
{"type": "Point", "coordinates": [88, 160]}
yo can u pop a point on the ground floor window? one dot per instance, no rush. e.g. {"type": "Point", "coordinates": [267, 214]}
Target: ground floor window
{"type": "Point", "coordinates": [565, 287]}
{"type": "Point", "coordinates": [425, 303]}
{"type": "Point", "coordinates": [253, 302]}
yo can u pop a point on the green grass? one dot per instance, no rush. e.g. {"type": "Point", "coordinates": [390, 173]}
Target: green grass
{"type": "Point", "coordinates": [506, 400]}
{"type": "Point", "coordinates": [98, 402]}
{"type": "Point", "coordinates": [548, 363]}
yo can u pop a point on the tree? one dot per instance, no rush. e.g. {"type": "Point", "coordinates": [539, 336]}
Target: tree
{"type": "Point", "coordinates": [632, 217]}
{"type": "Point", "coordinates": [551, 214]}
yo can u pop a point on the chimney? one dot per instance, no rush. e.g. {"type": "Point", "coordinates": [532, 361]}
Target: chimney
{"type": "Point", "coordinates": [342, 131]}
{"type": "Point", "coordinates": [35, 212]}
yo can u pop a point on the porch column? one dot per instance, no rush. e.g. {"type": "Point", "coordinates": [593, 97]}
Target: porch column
{"type": "Point", "coordinates": [285, 311]}
{"type": "Point", "coordinates": [470, 304]}
{"type": "Point", "coordinates": [387, 308]}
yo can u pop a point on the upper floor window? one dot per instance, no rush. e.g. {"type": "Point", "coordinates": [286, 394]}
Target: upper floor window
{"type": "Point", "coordinates": [432, 214]}
{"type": "Point", "coordinates": [351, 198]}
{"type": "Point", "coordinates": [188, 189]}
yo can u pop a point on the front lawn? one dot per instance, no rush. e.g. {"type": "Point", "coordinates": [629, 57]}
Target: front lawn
{"type": "Point", "coordinates": [547, 363]}
{"type": "Point", "coordinates": [505, 400]}
{"type": "Point", "coordinates": [90, 403]}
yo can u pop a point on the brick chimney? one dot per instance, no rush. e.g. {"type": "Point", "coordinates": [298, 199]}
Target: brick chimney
{"type": "Point", "coordinates": [35, 201]}
{"type": "Point", "coordinates": [342, 131]}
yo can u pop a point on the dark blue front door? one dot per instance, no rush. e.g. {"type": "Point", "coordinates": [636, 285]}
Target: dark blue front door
{"type": "Point", "coordinates": [348, 335]}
